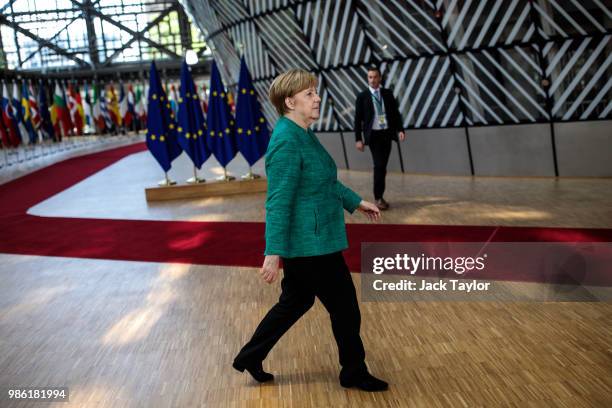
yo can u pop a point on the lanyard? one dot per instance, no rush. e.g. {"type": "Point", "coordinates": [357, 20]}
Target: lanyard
{"type": "Point", "coordinates": [378, 103]}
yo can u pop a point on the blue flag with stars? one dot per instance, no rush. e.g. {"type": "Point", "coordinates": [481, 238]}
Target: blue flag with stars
{"type": "Point", "coordinates": [220, 135]}
{"type": "Point", "coordinates": [161, 129]}
{"type": "Point", "coordinates": [191, 125]}
{"type": "Point", "coordinates": [252, 133]}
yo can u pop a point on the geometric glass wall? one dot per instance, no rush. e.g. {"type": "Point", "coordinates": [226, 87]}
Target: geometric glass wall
{"type": "Point", "coordinates": [85, 34]}
{"type": "Point", "coordinates": [450, 63]}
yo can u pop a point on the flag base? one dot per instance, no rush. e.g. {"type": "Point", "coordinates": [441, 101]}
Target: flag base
{"type": "Point", "coordinates": [166, 182]}
{"type": "Point", "coordinates": [208, 189]}
{"type": "Point", "coordinates": [195, 180]}
{"type": "Point", "coordinates": [226, 177]}
{"type": "Point", "coordinates": [250, 176]}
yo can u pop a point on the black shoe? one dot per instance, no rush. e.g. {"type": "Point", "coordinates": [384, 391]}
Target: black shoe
{"type": "Point", "coordinates": [256, 372]}
{"type": "Point", "coordinates": [382, 204]}
{"type": "Point", "coordinates": [366, 382]}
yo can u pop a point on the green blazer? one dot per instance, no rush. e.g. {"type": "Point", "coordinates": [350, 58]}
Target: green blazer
{"type": "Point", "coordinates": [305, 200]}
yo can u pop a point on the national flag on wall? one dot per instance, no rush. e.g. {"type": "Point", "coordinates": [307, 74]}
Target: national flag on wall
{"type": "Point", "coordinates": [34, 107]}
{"type": "Point", "coordinates": [113, 106]}
{"type": "Point", "coordinates": [5, 141]}
{"type": "Point", "coordinates": [220, 134]}
{"type": "Point", "coordinates": [80, 108]}
{"type": "Point", "coordinates": [8, 116]}
{"type": "Point", "coordinates": [191, 125]}
{"type": "Point", "coordinates": [22, 129]}
{"type": "Point", "coordinates": [96, 111]}
{"type": "Point", "coordinates": [140, 115]}
{"type": "Point", "coordinates": [64, 88]}
{"type": "Point", "coordinates": [173, 99]}
{"type": "Point", "coordinates": [204, 99]}
{"type": "Point", "coordinates": [252, 133]}
{"type": "Point", "coordinates": [230, 102]}
{"type": "Point", "coordinates": [145, 102]}
{"type": "Point", "coordinates": [26, 113]}
{"type": "Point", "coordinates": [87, 108]}
{"type": "Point", "coordinates": [130, 114]}
{"type": "Point", "coordinates": [59, 113]}
{"type": "Point", "coordinates": [123, 105]}
{"type": "Point", "coordinates": [161, 128]}
{"type": "Point", "coordinates": [76, 109]}
{"type": "Point", "coordinates": [46, 124]}
{"type": "Point", "coordinates": [106, 115]}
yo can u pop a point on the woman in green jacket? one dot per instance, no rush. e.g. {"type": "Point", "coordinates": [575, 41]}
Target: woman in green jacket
{"type": "Point", "coordinates": [305, 227]}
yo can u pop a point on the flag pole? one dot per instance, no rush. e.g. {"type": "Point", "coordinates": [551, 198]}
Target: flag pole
{"type": "Point", "coordinates": [195, 179]}
{"type": "Point", "coordinates": [166, 181]}
{"type": "Point", "coordinates": [250, 175]}
{"type": "Point", "coordinates": [39, 143]}
{"type": "Point", "coordinates": [9, 153]}
{"type": "Point", "coordinates": [225, 176]}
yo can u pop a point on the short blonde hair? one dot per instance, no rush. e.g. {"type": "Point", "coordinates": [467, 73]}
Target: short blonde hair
{"type": "Point", "coordinates": [287, 85]}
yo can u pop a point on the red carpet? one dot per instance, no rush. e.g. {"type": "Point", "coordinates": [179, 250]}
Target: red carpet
{"type": "Point", "coordinates": [213, 243]}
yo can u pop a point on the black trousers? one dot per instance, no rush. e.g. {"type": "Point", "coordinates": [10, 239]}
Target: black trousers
{"type": "Point", "coordinates": [380, 147]}
{"type": "Point", "coordinates": [328, 278]}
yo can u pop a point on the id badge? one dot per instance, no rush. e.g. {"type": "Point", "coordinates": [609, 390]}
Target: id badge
{"type": "Point", "coordinates": [382, 120]}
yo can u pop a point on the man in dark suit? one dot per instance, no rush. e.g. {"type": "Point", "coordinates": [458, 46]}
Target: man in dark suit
{"type": "Point", "coordinates": [377, 123]}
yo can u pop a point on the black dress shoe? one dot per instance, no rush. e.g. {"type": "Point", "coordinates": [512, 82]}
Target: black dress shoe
{"type": "Point", "coordinates": [382, 204]}
{"type": "Point", "coordinates": [256, 372]}
{"type": "Point", "coordinates": [366, 382]}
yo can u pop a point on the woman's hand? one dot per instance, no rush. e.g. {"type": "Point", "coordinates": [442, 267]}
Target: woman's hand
{"type": "Point", "coordinates": [370, 210]}
{"type": "Point", "coordinates": [269, 269]}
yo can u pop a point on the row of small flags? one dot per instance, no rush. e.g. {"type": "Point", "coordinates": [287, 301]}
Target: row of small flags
{"type": "Point", "coordinates": [27, 117]}
{"type": "Point", "coordinates": [222, 134]}
{"type": "Point", "coordinates": [174, 123]}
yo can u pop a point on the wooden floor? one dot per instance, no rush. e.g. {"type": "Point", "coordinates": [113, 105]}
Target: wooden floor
{"type": "Point", "coordinates": [135, 334]}
{"type": "Point", "coordinates": [128, 334]}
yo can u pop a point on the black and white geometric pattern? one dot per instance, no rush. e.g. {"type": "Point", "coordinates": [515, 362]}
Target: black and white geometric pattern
{"type": "Point", "coordinates": [285, 40]}
{"type": "Point", "coordinates": [450, 63]}
{"type": "Point", "coordinates": [486, 23]}
{"type": "Point", "coordinates": [333, 33]}
{"type": "Point", "coordinates": [499, 86]}
{"type": "Point", "coordinates": [343, 85]}
{"type": "Point", "coordinates": [255, 54]}
{"type": "Point", "coordinates": [571, 18]}
{"type": "Point", "coordinates": [401, 28]}
{"type": "Point", "coordinates": [425, 91]}
{"type": "Point", "coordinates": [580, 77]}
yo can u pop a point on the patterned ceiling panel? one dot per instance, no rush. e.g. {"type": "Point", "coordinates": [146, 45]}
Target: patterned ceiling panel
{"type": "Point", "coordinates": [450, 63]}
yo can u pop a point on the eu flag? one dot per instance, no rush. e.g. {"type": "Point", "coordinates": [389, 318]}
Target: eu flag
{"type": "Point", "coordinates": [161, 129]}
{"type": "Point", "coordinates": [46, 125]}
{"type": "Point", "coordinates": [252, 132]}
{"type": "Point", "coordinates": [191, 126]}
{"type": "Point", "coordinates": [220, 135]}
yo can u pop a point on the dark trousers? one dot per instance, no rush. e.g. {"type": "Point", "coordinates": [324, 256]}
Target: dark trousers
{"type": "Point", "coordinates": [328, 278]}
{"type": "Point", "coordinates": [380, 147]}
